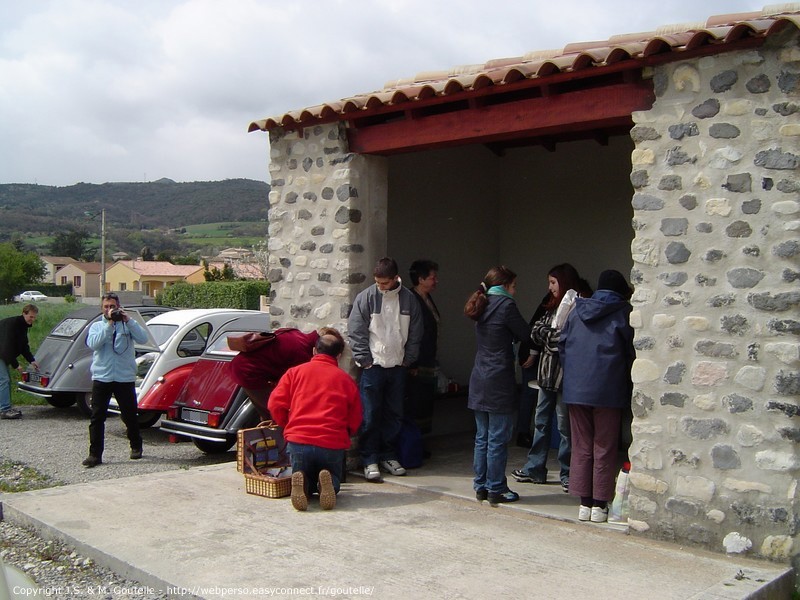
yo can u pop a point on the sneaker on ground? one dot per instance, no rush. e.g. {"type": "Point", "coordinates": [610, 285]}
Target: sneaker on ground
{"type": "Point", "coordinates": [522, 477]}
{"type": "Point", "coordinates": [481, 494]}
{"type": "Point", "coordinates": [11, 413]}
{"type": "Point", "coordinates": [299, 498]}
{"type": "Point", "coordinates": [507, 496]}
{"type": "Point", "coordinates": [136, 454]}
{"type": "Point", "coordinates": [372, 473]}
{"type": "Point", "coordinates": [91, 461]}
{"type": "Point", "coordinates": [565, 486]}
{"type": "Point", "coordinates": [584, 513]}
{"type": "Point", "coordinates": [393, 467]}
{"type": "Point", "coordinates": [599, 515]}
{"type": "Point", "coordinates": [327, 495]}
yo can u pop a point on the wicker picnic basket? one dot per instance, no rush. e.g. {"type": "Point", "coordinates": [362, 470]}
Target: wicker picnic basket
{"type": "Point", "coordinates": [261, 456]}
{"type": "Point", "coordinates": [267, 485]}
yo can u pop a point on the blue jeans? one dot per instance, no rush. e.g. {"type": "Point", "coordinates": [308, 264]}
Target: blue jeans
{"type": "Point", "coordinates": [313, 459]}
{"type": "Point", "coordinates": [382, 392]}
{"type": "Point", "coordinates": [536, 467]}
{"type": "Point", "coordinates": [5, 387]}
{"type": "Point", "coordinates": [491, 450]}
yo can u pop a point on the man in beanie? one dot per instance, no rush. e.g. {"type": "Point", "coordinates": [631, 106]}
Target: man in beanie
{"type": "Point", "coordinates": [596, 348]}
{"type": "Point", "coordinates": [13, 343]}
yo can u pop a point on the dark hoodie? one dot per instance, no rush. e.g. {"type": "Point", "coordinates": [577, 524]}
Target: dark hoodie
{"type": "Point", "coordinates": [596, 348]}
{"type": "Point", "coordinates": [14, 341]}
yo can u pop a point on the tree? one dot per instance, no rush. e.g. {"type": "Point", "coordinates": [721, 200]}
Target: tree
{"type": "Point", "coordinates": [164, 257]}
{"type": "Point", "coordinates": [214, 274]}
{"type": "Point", "coordinates": [70, 243]}
{"type": "Point", "coordinates": [147, 254]}
{"type": "Point", "coordinates": [19, 269]}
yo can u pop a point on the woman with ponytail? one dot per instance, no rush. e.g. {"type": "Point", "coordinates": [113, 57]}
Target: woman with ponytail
{"type": "Point", "coordinates": [492, 385]}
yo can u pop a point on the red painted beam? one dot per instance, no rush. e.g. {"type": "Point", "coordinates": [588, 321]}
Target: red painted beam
{"type": "Point", "coordinates": [580, 110]}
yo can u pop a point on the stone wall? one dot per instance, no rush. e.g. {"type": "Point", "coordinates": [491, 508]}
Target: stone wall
{"type": "Point", "coordinates": [327, 226]}
{"type": "Point", "coordinates": [716, 216]}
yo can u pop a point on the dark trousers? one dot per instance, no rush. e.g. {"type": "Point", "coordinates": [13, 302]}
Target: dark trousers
{"type": "Point", "coordinates": [313, 459]}
{"type": "Point", "coordinates": [125, 393]}
{"type": "Point", "coordinates": [595, 454]}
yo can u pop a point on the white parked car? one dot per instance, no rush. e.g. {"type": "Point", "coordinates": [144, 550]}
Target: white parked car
{"type": "Point", "coordinates": [182, 336]}
{"type": "Point", "coordinates": [32, 296]}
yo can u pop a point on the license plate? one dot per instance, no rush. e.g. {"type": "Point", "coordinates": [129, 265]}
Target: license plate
{"type": "Point", "coordinates": [34, 377]}
{"type": "Point", "coordinates": [194, 416]}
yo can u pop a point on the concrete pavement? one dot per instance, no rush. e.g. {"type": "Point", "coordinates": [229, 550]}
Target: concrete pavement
{"type": "Point", "coordinates": [197, 533]}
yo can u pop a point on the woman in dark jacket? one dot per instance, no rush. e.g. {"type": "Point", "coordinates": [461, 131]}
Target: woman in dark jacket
{"type": "Point", "coordinates": [492, 384]}
{"type": "Point", "coordinates": [596, 348]}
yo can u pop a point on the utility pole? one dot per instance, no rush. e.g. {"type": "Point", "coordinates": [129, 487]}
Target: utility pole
{"type": "Point", "coordinates": [102, 252]}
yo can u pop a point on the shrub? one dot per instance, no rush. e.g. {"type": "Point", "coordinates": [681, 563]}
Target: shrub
{"type": "Point", "coordinates": [70, 299]}
{"type": "Point", "coordinates": [215, 294]}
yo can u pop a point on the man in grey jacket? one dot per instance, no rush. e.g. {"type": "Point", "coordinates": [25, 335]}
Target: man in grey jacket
{"type": "Point", "coordinates": [385, 329]}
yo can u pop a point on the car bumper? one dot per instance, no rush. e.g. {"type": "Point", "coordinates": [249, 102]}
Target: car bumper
{"type": "Point", "coordinates": [35, 390]}
{"type": "Point", "coordinates": [195, 430]}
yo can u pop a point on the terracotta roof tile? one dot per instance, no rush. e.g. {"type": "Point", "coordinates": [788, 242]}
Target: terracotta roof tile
{"type": "Point", "coordinates": [669, 41]}
{"type": "Point", "coordinates": [156, 268]}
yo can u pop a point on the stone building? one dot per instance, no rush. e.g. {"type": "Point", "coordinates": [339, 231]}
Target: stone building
{"type": "Point", "coordinates": [689, 134]}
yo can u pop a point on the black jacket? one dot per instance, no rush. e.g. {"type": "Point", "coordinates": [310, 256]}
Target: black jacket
{"type": "Point", "coordinates": [14, 341]}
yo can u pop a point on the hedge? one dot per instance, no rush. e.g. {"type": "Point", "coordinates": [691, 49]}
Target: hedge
{"type": "Point", "coordinates": [215, 294]}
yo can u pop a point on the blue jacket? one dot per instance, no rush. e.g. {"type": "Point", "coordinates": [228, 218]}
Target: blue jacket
{"type": "Point", "coordinates": [596, 348]}
{"type": "Point", "coordinates": [113, 343]}
{"type": "Point", "coordinates": [493, 383]}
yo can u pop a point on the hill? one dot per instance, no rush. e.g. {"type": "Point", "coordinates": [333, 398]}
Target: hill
{"type": "Point", "coordinates": [136, 213]}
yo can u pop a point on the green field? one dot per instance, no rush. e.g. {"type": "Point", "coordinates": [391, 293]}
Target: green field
{"type": "Point", "coordinates": [49, 316]}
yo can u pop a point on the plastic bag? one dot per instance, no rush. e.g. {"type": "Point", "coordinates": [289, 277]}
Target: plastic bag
{"type": "Point", "coordinates": [618, 512]}
{"type": "Point", "coordinates": [563, 310]}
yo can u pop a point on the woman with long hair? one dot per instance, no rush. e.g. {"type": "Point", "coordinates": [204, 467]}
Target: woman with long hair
{"type": "Point", "coordinates": [560, 279]}
{"type": "Point", "coordinates": [492, 384]}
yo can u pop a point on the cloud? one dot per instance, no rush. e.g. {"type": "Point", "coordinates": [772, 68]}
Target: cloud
{"type": "Point", "coordinates": [112, 90]}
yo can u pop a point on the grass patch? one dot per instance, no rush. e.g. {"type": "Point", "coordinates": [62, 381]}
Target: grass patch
{"type": "Point", "coordinates": [50, 314]}
{"type": "Point", "coordinates": [16, 477]}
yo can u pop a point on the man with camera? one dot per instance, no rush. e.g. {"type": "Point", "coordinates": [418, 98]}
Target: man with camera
{"type": "Point", "coordinates": [113, 339]}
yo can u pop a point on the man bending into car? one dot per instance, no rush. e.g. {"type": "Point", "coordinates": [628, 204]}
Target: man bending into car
{"type": "Point", "coordinates": [319, 408]}
{"type": "Point", "coordinates": [112, 340]}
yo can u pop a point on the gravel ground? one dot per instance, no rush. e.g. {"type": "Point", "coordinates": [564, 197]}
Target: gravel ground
{"type": "Point", "coordinates": [45, 448]}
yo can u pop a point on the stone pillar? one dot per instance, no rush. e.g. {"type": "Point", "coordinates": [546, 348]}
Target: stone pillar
{"type": "Point", "coordinates": [327, 226]}
{"type": "Point", "coordinates": [716, 384]}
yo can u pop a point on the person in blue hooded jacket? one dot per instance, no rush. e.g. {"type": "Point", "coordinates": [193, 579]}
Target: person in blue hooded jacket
{"type": "Point", "coordinates": [492, 384]}
{"type": "Point", "coordinates": [596, 349]}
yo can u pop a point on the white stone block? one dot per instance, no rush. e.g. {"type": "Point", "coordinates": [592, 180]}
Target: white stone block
{"type": "Point", "coordinates": [319, 263]}
{"type": "Point", "coordinates": [777, 547]}
{"type": "Point", "coordinates": [735, 543]}
{"type": "Point", "coordinates": [753, 378]}
{"type": "Point", "coordinates": [643, 156]}
{"type": "Point", "coordinates": [715, 515]}
{"type": "Point", "coordinates": [662, 321]}
{"type": "Point", "coordinates": [786, 207]}
{"type": "Point", "coordinates": [644, 251]}
{"type": "Point", "coordinates": [643, 296]}
{"type": "Point", "coordinates": [300, 261]}
{"type": "Point", "coordinates": [692, 486]}
{"type": "Point", "coordinates": [317, 179]}
{"type": "Point", "coordinates": [701, 181]}
{"type": "Point", "coordinates": [338, 291]}
{"type": "Point", "coordinates": [647, 483]}
{"type": "Point", "coordinates": [705, 402]}
{"type": "Point", "coordinates": [635, 319]}
{"type": "Point", "coordinates": [342, 264]}
{"type": "Point", "coordinates": [718, 206]}
{"type": "Point", "coordinates": [792, 226]}
{"type": "Point", "coordinates": [340, 233]}
{"type": "Point", "coordinates": [789, 129]}
{"type": "Point", "coordinates": [738, 485]}
{"type": "Point", "coordinates": [686, 78]}
{"type": "Point", "coordinates": [724, 158]}
{"type": "Point", "coordinates": [303, 276]}
{"type": "Point", "coordinates": [737, 108]}
{"type": "Point", "coordinates": [644, 370]}
{"type": "Point", "coordinates": [275, 244]}
{"type": "Point", "coordinates": [769, 460]}
{"type": "Point", "coordinates": [785, 352]}
{"type": "Point", "coordinates": [749, 436]}
{"type": "Point", "coordinates": [761, 130]}
{"type": "Point", "coordinates": [696, 323]}
{"type": "Point", "coordinates": [322, 311]}
{"type": "Point", "coordinates": [640, 526]}
{"type": "Point", "coordinates": [642, 504]}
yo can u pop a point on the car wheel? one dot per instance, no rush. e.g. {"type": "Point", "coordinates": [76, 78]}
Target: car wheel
{"type": "Point", "coordinates": [61, 400]}
{"type": "Point", "coordinates": [214, 447]}
{"type": "Point", "coordinates": [148, 418]}
{"type": "Point", "coordinates": [84, 401]}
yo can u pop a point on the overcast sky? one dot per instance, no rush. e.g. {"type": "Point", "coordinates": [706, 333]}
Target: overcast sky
{"type": "Point", "coordinates": [136, 90]}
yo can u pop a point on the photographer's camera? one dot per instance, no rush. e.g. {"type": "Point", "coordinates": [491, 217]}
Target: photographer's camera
{"type": "Point", "coordinates": [115, 314]}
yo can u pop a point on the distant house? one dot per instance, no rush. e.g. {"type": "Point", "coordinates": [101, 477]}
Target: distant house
{"type": "Point", "coordinates": [234, 254]}
{"type": "Point", "coordinates": [242, 270]}
{"type": "Point", "coordinates": [149, 276]}
{"type": "Point", "coordinates": [119, 256]}
{"type": "Point", "coordinates": [53, 264]}
{"type": "Point", "coordinates": [84, 277]}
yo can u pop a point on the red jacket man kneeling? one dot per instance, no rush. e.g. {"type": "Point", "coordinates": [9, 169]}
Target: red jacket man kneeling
{"type": "Point", "coordinates": [319, 408]}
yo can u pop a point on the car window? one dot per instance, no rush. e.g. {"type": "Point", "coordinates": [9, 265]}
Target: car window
{"type": "Point", "coordinates": [194, 342]}
{"type": "Point", "coordinates": [69, 327]}
{"type": "Point", "coordinates": [162, 333]}
{"type": "Point", "coordinates": [220, 345]}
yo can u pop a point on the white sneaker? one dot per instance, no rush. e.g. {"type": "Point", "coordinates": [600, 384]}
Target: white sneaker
{"type": "Point", "coordinates": [599, 515]}
{"type": "Point", "coordinates": [393, 467]}
{"type": "Point", "coordinates": [372, 473]}
{"type": "Point", "coordinates": [584, 513]}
